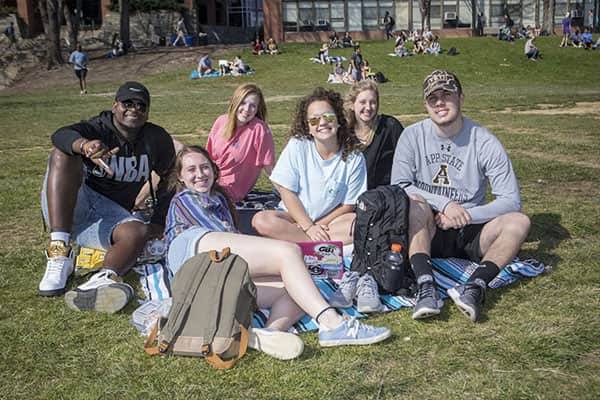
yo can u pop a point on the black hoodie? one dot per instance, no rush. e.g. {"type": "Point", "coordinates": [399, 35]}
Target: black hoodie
{"type": "Point", "coordinates": [152, 149]}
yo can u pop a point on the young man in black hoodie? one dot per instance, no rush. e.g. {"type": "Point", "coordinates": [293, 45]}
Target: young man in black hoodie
{"type": "Point", "coordinates": [94, 175]}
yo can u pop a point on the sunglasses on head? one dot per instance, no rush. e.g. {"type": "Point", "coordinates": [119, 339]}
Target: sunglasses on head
{"type": "Point", "coordinates": [132, 105]}
{"type": "Point", "coordinates": [329, 117]}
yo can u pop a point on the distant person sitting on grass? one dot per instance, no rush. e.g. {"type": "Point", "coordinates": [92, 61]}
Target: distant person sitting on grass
{"type": "Point", "coordinates": [94, 175]}
{"type": "Point", "coordinates": [448, 161]}
{"type": "Point", "coordinates": [323, 55]}
{"type": "Point", "coordinates": [347, 40]}
{"type": "Point", "coordinates": [80, 59]}
{"type": "Point", "coordinates": [200, 219]}
{"type": "Point", "coordinates": [257, 47]}
{"type": "Point", "coordinates": [587, 38]}
{"type": "Point", "coordinates": [531, 50]}
{"type": "Point", "coordinates": [238, 67]}
{"type": "Point", "coordinates": [205, 65]}
{"type": "Point", "coordinates": [334, 41]}
{"type": "Point", "coordinates": [272, 48]}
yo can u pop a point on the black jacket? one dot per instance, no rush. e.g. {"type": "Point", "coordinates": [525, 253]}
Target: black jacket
{"type": "Point", "coordinates": [379, 155]}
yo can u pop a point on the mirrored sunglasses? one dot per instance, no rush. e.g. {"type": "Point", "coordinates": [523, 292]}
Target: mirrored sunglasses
{"type": "Point", "coordinates": [132, 105]}
{"type": "Point", "coordinates": [328, 117]}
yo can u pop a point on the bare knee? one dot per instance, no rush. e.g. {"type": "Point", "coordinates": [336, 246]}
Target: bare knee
{"type": "Point", "coordinates": [419, 211]}
{"type": "Point", "coordinates": [262, 222]}
{"type": "Point", "coordinates": [134, 232]}
{"type": "Point", "coordinates": [517, 223]}
{"type": "Point", "coordinates": [60, 159]}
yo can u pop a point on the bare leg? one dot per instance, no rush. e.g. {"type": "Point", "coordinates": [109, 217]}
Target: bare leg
{"type": "Point", "coordinates": [342, 228]}
{"type": "Point", "coordinates": [64, 180]}
{"type": "Point", "coordinates": [280, 225]}
{"type": "Point", "coordinates": [128, 240]}
{"type": "Point", "coordinates": [284, 311]}
{"type": "Point", "coordinates": [269, 257]}
{"type": "Point", "coordinates": [421, 226]}
{"type": "Point", "coordinates": [502, 237]}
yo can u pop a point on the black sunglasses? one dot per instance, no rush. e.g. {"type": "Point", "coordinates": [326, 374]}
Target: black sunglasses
{"type": "Point", "coordinates": [132, 105]}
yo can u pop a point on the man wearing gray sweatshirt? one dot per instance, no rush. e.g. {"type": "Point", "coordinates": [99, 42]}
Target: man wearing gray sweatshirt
{"type": "Point", "coordinates": [448, 162]}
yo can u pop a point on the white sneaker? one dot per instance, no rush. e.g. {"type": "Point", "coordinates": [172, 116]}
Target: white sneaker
{"type": "Point", "coordinates": [277, 344]}
{"type": "Point", "coordinates": [103, 292]}
{"type": "Point", "coordinates": [58, 269]}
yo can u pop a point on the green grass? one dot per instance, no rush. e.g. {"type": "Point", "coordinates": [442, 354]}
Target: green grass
{"type": "Point", "coordinates": [538, 339]}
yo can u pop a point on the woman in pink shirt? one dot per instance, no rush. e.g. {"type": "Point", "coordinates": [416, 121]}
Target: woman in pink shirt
{"type": "Point", "coordinates": [240, 142]}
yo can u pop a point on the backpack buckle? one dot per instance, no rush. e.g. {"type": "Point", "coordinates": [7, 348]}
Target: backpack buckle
{"type": "Point", "coordinates": [205, 350]}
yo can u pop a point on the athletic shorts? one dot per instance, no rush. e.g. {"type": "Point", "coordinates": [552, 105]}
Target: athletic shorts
{"type": "Point", "coordinates": [184, 247]}
{"type": "Point", "coordinates": [81, 73]}
{"type": "Point", "coordinates": [94, 218]}
{"type": "Point", "coordinates": [460, 243]}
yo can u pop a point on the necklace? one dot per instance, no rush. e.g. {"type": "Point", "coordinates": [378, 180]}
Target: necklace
{"type": "Point", "coordinates": [367, 139]}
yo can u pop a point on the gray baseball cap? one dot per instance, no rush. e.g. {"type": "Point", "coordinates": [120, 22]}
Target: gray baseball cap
{"type": "Point", "coordinates": [440, 79]}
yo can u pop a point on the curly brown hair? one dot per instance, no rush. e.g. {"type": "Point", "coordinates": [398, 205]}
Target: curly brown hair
{"type": "Point", "coordinates": [346, 138]}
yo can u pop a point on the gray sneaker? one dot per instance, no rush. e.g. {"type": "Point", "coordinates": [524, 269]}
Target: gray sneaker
{"type": "Point", "coordinates": [343, 296]}
{"type": "Point", "coordinates": [469, 297]}
{"type": "Point", "coordinates": [367, 294]}
{"type": "Point", "coordinates": [428, 301]}
{"type": "Point", "coordinates": [105, 291]}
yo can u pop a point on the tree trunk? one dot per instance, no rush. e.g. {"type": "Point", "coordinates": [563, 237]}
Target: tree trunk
{"type": "Point", "coordinates": [43, 15]}
{"type": "Point", "coordinates": [548, 24]}
{"type": "Point", "coordinates": [72, 24]}
{"type": "Point", "coordinates": [53, 36]}
{"type": "Point", "coordinates": [425, 9]}
{"type": "Point", "coordinates": [124, 28]}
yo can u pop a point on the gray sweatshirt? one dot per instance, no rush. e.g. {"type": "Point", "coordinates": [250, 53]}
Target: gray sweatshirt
{"type": "Point", "coordinates": [457, 169]}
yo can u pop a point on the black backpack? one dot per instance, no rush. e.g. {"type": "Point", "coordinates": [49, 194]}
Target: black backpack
{"type": "Point", "coordinates": [380, 78]}
{"type": "Point", "coordinates": [452, 51]}
{"type": "Point", "coordinates": [382, 219]}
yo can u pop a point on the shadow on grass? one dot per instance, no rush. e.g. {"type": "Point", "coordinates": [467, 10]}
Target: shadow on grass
{"type": "Point", "coordinates": [548, 231]}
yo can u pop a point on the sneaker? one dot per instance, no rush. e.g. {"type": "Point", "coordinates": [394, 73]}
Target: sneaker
{"type": "Point", "coordinates": [59, 266]}
{"type": "Point", "coordinates": [346, 291]}
{"type": "Point", "coordinates": [367, 295]}
{"type": "Point", "coordinates": [428, 301]}
{"type": "Point", "coordinates": [104, 292]}
{"type": "Point", "coordinates": [353, 332]}
{"type": "Point", "coordinates": [468, 297]}
{"type": "Point", "coordinates": [277, 344]}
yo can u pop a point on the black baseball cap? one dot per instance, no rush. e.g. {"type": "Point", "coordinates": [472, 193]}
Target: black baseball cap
{"type": "Point", "coordinates": [133, 91]}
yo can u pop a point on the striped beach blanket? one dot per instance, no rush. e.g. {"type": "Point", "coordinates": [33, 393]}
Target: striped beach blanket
{"type": "Point", "coordinates": [447, 273]}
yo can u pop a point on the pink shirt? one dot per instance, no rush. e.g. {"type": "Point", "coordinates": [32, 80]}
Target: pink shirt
{"type": "Point", "coordinates": [241, 158]}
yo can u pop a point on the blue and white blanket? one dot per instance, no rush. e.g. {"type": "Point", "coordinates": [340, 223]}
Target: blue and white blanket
{"type": "Point", "coordinates": [194, 74]}
{"type": "Point", "coordinates": [330, 59]}
{"type": "Point", "coordinates": [447, 273]}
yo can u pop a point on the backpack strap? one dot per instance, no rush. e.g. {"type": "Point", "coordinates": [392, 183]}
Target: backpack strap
{"type": "Point", "coordinates": [217, 362]}
{"type": "Point", "coordinates": [148, 348]}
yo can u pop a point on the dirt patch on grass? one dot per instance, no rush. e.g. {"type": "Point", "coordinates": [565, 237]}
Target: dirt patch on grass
{"type": "Point", "coordinates": [130, 67]}
{"type": "Point", "coordinates": [557, 157]}
{"type": "Point", "coordinates": [580, 108]}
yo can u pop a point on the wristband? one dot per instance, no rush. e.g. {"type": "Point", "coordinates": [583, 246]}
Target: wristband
{"type": "Point", "coordinates": [81, 146]}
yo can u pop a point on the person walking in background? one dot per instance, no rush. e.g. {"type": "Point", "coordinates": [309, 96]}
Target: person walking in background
{"type": "Point", "coordinates": [590, 20]}
{"type": "Point", "coordinates": [10, 34]}
{"type": "Point", "coordinates": [80, 59]}
{"type": "Point", "coordinates": [388, 24]}
{"type": "Point", "coordinates": [181, 31]}
{"type": "Point", "coordinates": [566, 30]}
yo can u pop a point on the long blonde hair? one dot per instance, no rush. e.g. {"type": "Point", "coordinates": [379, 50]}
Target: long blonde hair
{"type": "Point", "coordinates": [238, 96]}
{"type": "Point", "coordinates": [355, 90]}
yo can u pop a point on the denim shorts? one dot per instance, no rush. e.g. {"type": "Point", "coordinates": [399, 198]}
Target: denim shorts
{"type": "Point", "coordinates": [184, 246]}
{"type": "Point", "coordinates": [94, 219]}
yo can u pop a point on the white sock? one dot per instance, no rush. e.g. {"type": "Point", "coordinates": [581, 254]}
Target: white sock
{"type": "Point", "coordinates": [64, 236]}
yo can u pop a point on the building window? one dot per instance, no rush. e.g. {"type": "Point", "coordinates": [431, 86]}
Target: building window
{"type": "Point", "coordinates": [304, 16]}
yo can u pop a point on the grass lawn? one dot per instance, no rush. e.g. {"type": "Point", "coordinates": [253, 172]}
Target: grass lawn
{"type": "Point", "coordinates": [538, 339]}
